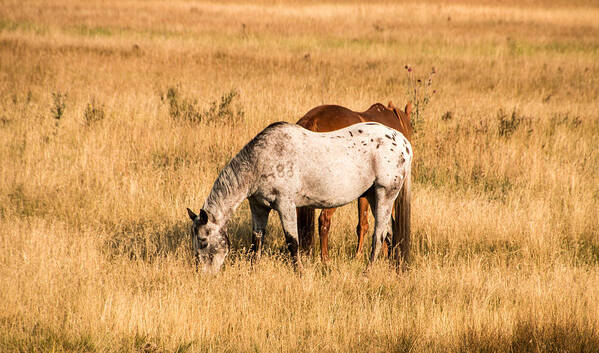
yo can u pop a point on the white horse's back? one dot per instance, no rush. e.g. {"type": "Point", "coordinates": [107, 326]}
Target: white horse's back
{"type": "Point", "coordinates": [331, 169]}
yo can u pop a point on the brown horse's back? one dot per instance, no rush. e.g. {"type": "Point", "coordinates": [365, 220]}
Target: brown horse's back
{"type": "Point", "coordinates": [326, 118]}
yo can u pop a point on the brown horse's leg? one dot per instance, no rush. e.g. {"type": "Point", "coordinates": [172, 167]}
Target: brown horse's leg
{"type": "Point", "coordinates": [385, 247]}
{"type": "Point", "coordinates": [324, 224]}
{"type": "Point", "coordinates": [362, 227]}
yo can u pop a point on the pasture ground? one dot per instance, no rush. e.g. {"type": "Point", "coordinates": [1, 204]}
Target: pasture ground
{"type": "Point", "coordinates": [117, 115]}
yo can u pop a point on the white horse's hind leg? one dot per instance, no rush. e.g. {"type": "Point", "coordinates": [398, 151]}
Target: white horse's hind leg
{"type": "Point", "coordinates": [288, 217]}
{"type": "Point", "coordinates": [381, 206]}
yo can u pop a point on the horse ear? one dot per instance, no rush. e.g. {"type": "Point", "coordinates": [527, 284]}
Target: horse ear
{"type": "Point", "coordinates": [390, 105]}
{"type": "Point", "coordinates": [191, 214]}
{"type": "Point", "coordinates": [203, 217]}
{"type": "Point", "coordinates": [408, 109]}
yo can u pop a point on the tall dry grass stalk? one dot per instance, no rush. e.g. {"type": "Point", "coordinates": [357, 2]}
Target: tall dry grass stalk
{"type": "Point", "coordinates": [93, 231]}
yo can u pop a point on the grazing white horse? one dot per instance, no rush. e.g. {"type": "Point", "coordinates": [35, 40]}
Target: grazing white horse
{"type": "Point", "coordinates": [286, 166]}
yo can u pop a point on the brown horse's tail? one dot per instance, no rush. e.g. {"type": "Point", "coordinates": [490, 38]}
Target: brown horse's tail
{"type": "Point", "coordinates": [305, 228]}
{"type": "Point", "coordinates": [401, 224]}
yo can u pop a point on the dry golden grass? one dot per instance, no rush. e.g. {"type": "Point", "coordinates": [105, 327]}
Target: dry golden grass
{"type": "Point", "coordinates": [93, 230]}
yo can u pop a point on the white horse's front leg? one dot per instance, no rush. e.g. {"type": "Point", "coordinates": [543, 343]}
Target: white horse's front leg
{"type": "Point", "coordinates": [288, 217]}
{"type": "Point", "coordinates": [259, 221]}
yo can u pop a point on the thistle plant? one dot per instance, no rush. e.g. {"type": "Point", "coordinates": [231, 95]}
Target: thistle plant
{"type": "Point", "coordinates": [58, 107]}
{"type": "Point", "coordinates": [419, 92]}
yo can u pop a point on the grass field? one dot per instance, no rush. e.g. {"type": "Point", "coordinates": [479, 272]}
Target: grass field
{"type": "Point", "coordinates": [117, 115]}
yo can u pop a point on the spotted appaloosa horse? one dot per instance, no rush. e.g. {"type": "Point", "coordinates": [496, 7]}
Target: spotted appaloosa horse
{"type": "Point", "coordinates": [326, 118]}
{"type": "Point", "coordinates": [286, 166]}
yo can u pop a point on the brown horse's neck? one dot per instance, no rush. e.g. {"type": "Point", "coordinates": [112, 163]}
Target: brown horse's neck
{"type": "Point", "coordinates": [404, 122]}
{"type": "Point", "coordinates": [390, 116]}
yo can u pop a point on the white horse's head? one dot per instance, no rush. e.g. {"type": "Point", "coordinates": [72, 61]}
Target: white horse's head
{"type": "Point", "coordinates": [209, 240]}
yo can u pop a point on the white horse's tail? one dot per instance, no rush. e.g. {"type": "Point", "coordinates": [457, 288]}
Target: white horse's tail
{"type": "Point", "coordinates": [401, 224]}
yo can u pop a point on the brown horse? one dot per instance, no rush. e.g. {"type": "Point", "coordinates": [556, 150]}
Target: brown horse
{"type": "Point", "coordinates": [326, 118]}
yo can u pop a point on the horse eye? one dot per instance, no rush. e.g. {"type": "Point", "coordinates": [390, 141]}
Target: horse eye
{"type": "Point", "coordinates": [203, 243]}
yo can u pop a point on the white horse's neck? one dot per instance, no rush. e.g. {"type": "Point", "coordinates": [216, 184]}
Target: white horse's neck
{"type": "Point", "coordinates": [229, 190]}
